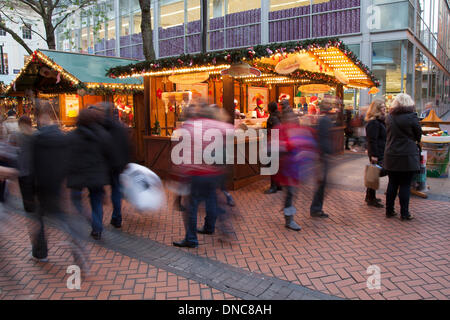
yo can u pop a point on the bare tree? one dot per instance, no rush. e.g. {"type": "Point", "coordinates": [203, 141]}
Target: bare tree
{"type": "Point", "coordinates": [52, 13]}
{"type": "Point", "coordinates": [146, 29]}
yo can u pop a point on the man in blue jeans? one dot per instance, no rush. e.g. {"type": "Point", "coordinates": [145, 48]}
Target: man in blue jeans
{"type": "Point", "coordinates": [205, 177]}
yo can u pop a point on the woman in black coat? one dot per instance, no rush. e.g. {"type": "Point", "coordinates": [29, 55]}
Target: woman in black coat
{"type": "Point", "coordinates": [402, 155]}
{"type": "Point", "coordinates": [90, 148]}
{"type": "Point", "coordinates": [376, 142]}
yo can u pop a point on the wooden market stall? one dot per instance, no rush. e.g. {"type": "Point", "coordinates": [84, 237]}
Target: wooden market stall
{"type": "Point", "coordinates": [71, 82]}
{"type": "Point", "coordinates": [302, 72]}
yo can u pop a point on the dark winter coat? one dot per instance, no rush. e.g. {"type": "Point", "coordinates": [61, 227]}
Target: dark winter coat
{"type": "Point", "coordinates": [403, 135]}
{"type": "Point", "coordinates": [323, 131]}
{"type": "Point", "coordinates": [274, 120]}
{"type": "Point", "coordinates": [49, 154]}
{"type": "Point", "coordinates": [376, 138]}
{"type": "Point", "coordinates": [89, 155]}
{"type": "Point", "coordinates": [121, 146]}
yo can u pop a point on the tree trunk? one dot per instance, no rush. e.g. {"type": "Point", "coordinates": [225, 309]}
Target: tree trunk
{"type": "Point", "coordinates": [49, 31]}
{"type": "Point", "coordinates": [17, 38]}
{"type": "Point", "coordinates": [146, 30]}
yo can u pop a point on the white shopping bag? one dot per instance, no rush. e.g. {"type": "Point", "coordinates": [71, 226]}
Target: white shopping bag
{"type": "Point", "coordinates": [142, 188]}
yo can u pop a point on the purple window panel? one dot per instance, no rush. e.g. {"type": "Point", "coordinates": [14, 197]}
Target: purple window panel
{"type": "Point", "coordinates": [358, 20]}
{"type": "Point", "coordinates": [271, 15]}
{"type": "Point", "coordinates": [328, 24]}
{"type": "Point", "coordinates": [271, 31]}
{"type": "Point", "coordinates": [333, 23]}
{"type": "Point", "coordinates": [349, 21]}
{"type": "Point", "coordinates": [124, 40]}
{"type": "Point", "coordinates": [296, 29]}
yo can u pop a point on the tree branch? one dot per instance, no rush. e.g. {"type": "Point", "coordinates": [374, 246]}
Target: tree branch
{"type": "Point", "coordinates": [31, 4]}
{"type": "Point", "coordinates": [15, 22]}
{"type": "Point", "coordinates": [16, 37]}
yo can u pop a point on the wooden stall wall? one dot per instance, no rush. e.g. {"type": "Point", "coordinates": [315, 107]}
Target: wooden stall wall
{"type": "Point", "coordinates": [138, 132]}
{"type": "Point", "coordinates": [84, 102]}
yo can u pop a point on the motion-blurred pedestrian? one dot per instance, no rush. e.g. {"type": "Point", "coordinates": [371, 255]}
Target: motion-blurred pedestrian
{"type": "Point", "coordinates": [297, 155]}
{"type": "Point", "coordinates": [90, 148]}
{"type": "Point", "coordinates": [325, 150]}
{"type": "Point", "coordinates": [121, 156]}
{"type": "Point", "coordinates": [49, 169]}
{"type": "Point", "coordinates": [24, 161]}
{"type": "Point", "coordinates": [273, 121]}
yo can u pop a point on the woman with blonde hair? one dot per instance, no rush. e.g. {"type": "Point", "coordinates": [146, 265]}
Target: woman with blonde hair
{"type": "Point", "coordinates": [402, 155]}
{"type": "Point", "coordinates": [376, 142]}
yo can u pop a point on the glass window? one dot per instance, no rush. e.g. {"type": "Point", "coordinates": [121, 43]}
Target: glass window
{"type": "Point", "coordinates": [26, 31]}
{"type": "Point", "coordinates": [193, 10]}
{"type": "Point", "coordinates": [276, 5]}
{"type": "Point", "coordinates": [137, 18]}
{"type": "Point", "coordinates": [386, 65]}
{"type": "Point", "coordinates": [84, 39]}
{"type": "Point", "coordinates": [172, 13]}
{"type": "Point", "coordinates": [240, 6]}
{"type": "Point", "coordinates": [111, 25]}
{"type": "Point", "coordinates": [355, 48]}
{"type": "Point", "coordinates": [393, 15]}
{"type": "Point", "coordinates": [4, 64]}
{"type": "Point", "coordinates": [2, 32]}
{"type": "Point", "coordinates": [125, 25]}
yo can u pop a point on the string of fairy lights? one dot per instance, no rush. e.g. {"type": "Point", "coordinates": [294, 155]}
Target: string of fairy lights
{"type": "Point", "coordinates": [103, 88]}
{"type": "Point", "coordinates": [330, 58]}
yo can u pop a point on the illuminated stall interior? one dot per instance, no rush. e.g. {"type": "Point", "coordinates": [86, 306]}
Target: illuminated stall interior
{"type": "Point", "coordinates": [239, 80]}
{"type": "Point", "coordinates": [71, 82]}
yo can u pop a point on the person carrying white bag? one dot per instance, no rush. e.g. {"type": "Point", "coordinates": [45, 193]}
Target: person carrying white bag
{"type": "Point", "coordinates": [142, 188]}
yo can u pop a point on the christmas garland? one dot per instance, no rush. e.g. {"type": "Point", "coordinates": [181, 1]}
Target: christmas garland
{"type": "Point", "coordinates": [237, 55]}
{"type": "Point", "coordinates": [315, 77]}
{"type": "Point", "coordinates": [106, 91]}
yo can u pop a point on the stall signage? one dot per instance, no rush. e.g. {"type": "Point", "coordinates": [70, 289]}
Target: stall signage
{"type": "Point", "coordinates": [72, 106]}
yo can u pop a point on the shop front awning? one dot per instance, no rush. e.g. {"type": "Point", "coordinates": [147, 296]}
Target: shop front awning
{"type": "Point", "coordinates": [326, 60]}
{"type": "Point", "coordinates": [49, 71]}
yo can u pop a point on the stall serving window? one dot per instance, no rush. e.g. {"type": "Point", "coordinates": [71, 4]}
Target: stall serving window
{"type": "Point", "coordinates": [124, 109]}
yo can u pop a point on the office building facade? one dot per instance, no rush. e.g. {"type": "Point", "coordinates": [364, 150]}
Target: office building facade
{"type": "Point", "coordinates": [405, 42]}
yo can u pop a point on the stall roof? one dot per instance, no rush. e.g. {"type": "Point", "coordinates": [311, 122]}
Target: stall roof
{"type": "Point", "coordinates": [325, 60]}
{"type": "Point", "coordinates": [51, 71]}
{"type": "Point", "coordinates": [90, 68]}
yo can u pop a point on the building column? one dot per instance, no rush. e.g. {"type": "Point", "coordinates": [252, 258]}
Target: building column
{"type": "Point", "coordinates": [265, 8]}
{"type": "Point", "coordinates": [117, 23]}
{"type": "Point", "coordinates": [366, 49]}
{"type": "Point", "coordinates": [156, 28]}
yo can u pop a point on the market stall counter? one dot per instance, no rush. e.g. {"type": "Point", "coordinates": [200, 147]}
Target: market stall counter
{"type": "Point", "coordinates": [243, 82]}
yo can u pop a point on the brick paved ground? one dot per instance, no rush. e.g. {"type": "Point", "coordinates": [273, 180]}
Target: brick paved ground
{"type": "Point", "coordinates": [330, 256]}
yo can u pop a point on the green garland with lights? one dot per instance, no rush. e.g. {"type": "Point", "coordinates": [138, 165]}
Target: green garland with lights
{"type": "Point", "coordinates": [107, 91]}
{"type": "Point", "coordinates": [237, 55]}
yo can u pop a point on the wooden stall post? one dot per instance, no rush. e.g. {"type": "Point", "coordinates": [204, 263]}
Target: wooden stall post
{"type": "Point", "coordinates": [228, 97]}
{"type": "Point", "coordinates": [147, 88]}
{"type": "Point", "coordinates": [20, 106]}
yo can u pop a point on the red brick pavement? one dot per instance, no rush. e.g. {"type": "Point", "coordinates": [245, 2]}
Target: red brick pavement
{"type": "Point", "coordinates": [113, 276]}
{"type": "Point", "coordinates": [329, 255]}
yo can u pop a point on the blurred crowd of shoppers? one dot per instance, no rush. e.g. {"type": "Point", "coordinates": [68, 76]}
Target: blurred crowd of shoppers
{"type": "Point", "coordinates": [92, 156]}
{"type": "Point", "coordinates": [97, 151]}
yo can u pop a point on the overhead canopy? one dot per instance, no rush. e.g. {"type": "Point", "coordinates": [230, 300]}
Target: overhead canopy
{"type": "Point", "coordinates": [326, 61]}
{"type": "Point", "coordinates": [49, 71]}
